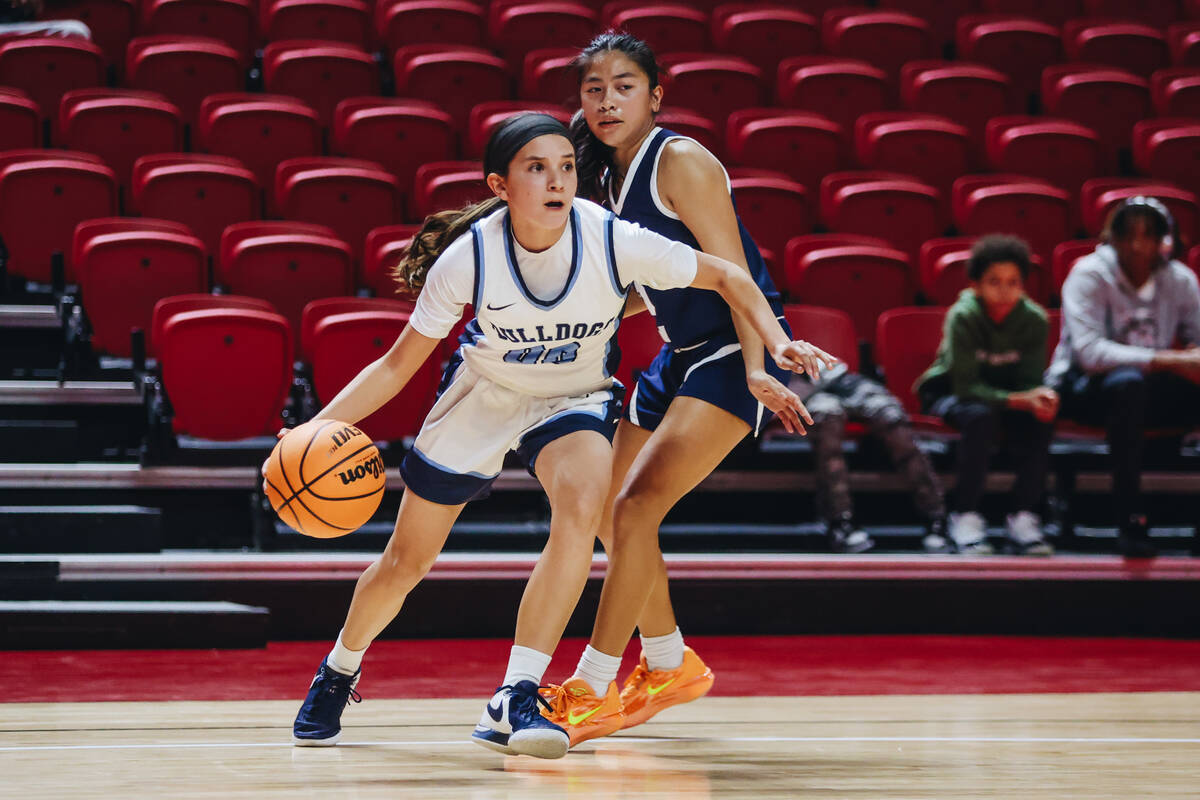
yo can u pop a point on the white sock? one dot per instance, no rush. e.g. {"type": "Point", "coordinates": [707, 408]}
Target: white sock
{"type": "Point", "coordinates": [525, 664]}
{"type": "Point", "coordinates": [664, 652]}
{"type": "Point", "coordinates": [344, 660]}
{"type": "Point", "coordinates": [597, 669]}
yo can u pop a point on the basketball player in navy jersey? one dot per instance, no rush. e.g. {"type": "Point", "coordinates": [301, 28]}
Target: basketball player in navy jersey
{"type": "Point", "coordinates": [548, 276]}
{"type": "Point", "coordinates": [709, 386]}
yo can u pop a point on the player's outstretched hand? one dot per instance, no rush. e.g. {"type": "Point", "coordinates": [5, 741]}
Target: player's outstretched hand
{"type": "Point", "coordinates": [801, 356]}
{"type": "Point", "coordinates": [781, 400]}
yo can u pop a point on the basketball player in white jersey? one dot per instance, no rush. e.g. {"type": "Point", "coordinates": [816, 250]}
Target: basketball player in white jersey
{"type": "Point", "coordinates": [548, 276]}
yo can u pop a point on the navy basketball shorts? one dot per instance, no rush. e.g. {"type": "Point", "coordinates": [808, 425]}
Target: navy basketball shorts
{"type": "Point", "coordinates": [712, 371]}
{"type": "Point", "coordinates": [475, 422]}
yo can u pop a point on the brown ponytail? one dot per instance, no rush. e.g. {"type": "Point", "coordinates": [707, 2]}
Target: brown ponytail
{"type": "Point", "coordinates": [436, 234]}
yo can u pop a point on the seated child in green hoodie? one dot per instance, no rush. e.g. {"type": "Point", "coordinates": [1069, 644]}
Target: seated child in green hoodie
{"type": "Point", "coordinates": [987, 383]}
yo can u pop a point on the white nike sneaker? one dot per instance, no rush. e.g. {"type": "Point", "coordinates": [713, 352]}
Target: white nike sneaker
{"type": "Point", "coordinates": [968, 532]}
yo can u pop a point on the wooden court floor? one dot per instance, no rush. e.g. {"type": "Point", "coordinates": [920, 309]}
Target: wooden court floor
{"type": "Point", "coordinates": [930, 746]}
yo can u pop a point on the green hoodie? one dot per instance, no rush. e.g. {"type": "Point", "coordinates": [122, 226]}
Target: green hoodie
{"type": "Point", "coordinates": [980, 359]}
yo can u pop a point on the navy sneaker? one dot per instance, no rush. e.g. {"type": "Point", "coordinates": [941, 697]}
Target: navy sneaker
{"type": "Point", "coordinates": [513, 724]}
{"type": "Point", "coordinates": [319, 723]}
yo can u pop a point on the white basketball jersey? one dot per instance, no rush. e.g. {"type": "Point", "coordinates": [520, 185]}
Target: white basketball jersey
{"type": "Point", "coordinates": [562, 346]}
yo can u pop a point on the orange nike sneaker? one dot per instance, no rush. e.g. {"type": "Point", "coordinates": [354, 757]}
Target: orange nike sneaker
{"type": "Point", "coordinates": [582, 714]}
{"type": "Point", "coordinates": [647, 692]}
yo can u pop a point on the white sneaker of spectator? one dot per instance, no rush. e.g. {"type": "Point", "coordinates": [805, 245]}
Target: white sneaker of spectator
{"type": "Point", "coordinates": [969, 533]}
{"type": "Point", "coordinates": [1025, 535]}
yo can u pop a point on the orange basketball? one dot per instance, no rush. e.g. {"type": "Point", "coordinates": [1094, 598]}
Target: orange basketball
{"type": "Point", "coordinates": [325, 478]}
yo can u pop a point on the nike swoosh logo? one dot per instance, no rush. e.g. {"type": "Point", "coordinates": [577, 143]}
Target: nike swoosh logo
{"type": "Point", "coordinates": [653, 690]}
{"type": "Point", "coordinates": [491, 307]}
{"type": "Point", "coordinates": [575, 719]}
{"type": "Point", "coordinates": [495, 712]}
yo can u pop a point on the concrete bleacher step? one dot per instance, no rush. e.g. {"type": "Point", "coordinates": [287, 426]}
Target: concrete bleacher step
{"type": "Point", "coordinates": [51, 624]}
{"type": "Point", "coordinates": [80, 529]}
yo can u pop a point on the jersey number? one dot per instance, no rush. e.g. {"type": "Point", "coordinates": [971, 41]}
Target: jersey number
{"type": "Point", "coordinates": [532, 355]}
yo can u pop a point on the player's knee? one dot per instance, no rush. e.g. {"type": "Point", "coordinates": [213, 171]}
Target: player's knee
{"type": "Point", "coordinates": [580, 514]}
{"type": "Point", "coordinates": [635, 509]}
{"type": "Point", "coordinates": [404, 569]}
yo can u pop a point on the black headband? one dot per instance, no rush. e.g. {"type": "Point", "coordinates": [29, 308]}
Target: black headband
{"type": "Point", "coordinates": [513, 134]}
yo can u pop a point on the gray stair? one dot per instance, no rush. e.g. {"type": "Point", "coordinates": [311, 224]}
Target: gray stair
{"type": "Point", "coordinates": [80, 529]}
{"type": "Point", "coordinates": [71, 624]}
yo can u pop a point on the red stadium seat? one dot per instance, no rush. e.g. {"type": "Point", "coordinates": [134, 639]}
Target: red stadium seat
{"type": "Point", "coordinates": [900, 209]}
{"type": "Point", "coordinates": [1193, 260]}
{"type": "Point", "coordinates": [547, 76]}
{"type": "Point", "coordinates": [442, 185]}
{"type": "Point", "coordinates": [840, 88]}
{"type": "Point", "coordinates": [1055, 13]}
{"type": "Point", "coordinates": [1167, 148]}
{"type": "Point", "coordinates": [258, 130]}
{"type": "Point", "coordinates": [20, 120]}
{"type": "Point", "coordinates": [41, 202]}
{"type": "Point", "coordinates": [347, 21]}
{"type": "Point", "coordinates": [120, 126]}
{"type": "Point", "coordinates": [906, 344]}
{"type": "Point", "coordinates": [458, 22]}
{"type": "Point", "coordinates": [111, 22]}
{"type": "Point", "coordinates": [943, 268]}
{"type": "Point", "coordinates": [940, 14]}
{"type": "Point", "coordinates": [320, 73]}
{"type": "Point", "coordinates": [1099, 196]}
{"type": "Point", "coordinates": [764, 35]}
{"type": "Point", "coordinates": [185, 70]}
{"type": "Point", "coordinates": [383, 249]}
{"type": "Point", "coordinates": [46, 69]}
{"type": "Point", "coordinates": [318, 310]}
{"type": "Point", "coordinates": [773, 208]}
{"type": "Point", "coordinates": [521, 28]}
{"type": "Point", "coordinates": [122, 276]}
{"type": "Point", "coordinates": [177, 304]}
{"type": "Point", "coordinates": [1025, 206]}
{"type": "Point", "coordinates": [457, 78]}
{"type": "Point", "coordinates": [349, 195]}
{"type": "Point", "coordinates": [666, 27]}
{"type": "Point", "coordinates": [934, 149]}
{"type": "Point", "coordinates": [696, 126]}
{"type": "Point", "coordinates": [862, 280]}
{"type": "Point", "coordinates": [1062, 152]}
{"type": "Point", "coordinates": [969, 94]}
{"type": "Point", "coordinates": [804, 146]}
{"type": "Point", "coordinates": [830, 329]}
{"type": "Point", "coordinates": [1156, 13]}
{"type": "Point", "coordinates": [343, 344]}
{"type": "Point", "coordinates": [713, 85]}
{"type": "Point", "coordinates": [887, 39]}
{"type": "Point", "coordinates": [227, 372]}
{"type": "Point", "coordinates": [397, 133]}
{"type": "Point", "coordinates": [1175, 92]}
{"type": "Point", "coordinates": [206, 193]}
{"type": "Point", "coordinates": [1018, 46]}
{"type": "Point", "coordinates": [640, 342]}
{"type": "Point", "coordinates": [1065, 256]}
{"type": "Point", "coordinates": [806, 243]}
{"type": "Point", "coordinates": [236, 233]}
{"type": "Point", "coordinates": [1131, 46]}
{"type": "Point", "coordinates": [1106, 99]}
{"type": "Point", "coordinates": [231, 21]}
{"type": "Point", "coordinates": [1183, 40]}
{"type": "Point", "coordinates": [289, 266]}
{"type": "Point", "coordinates": [100, 226]}
{"type": "Point", "coordinates": [485, 117]}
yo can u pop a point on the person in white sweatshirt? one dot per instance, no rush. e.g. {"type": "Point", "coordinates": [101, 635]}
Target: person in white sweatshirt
{"type": "Point", "coordinates": [1129, 355]}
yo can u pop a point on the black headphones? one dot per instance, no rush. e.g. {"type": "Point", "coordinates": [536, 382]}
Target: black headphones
{"type": "Point", "coordinates": [1161, 212]}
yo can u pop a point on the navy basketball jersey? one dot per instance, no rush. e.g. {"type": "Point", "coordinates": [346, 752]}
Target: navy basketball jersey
{"type": "Point", "coordinates": [685, 316]}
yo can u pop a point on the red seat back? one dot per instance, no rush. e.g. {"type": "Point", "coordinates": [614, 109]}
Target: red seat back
{"type": "Point", "coordinates": [227, 371]}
